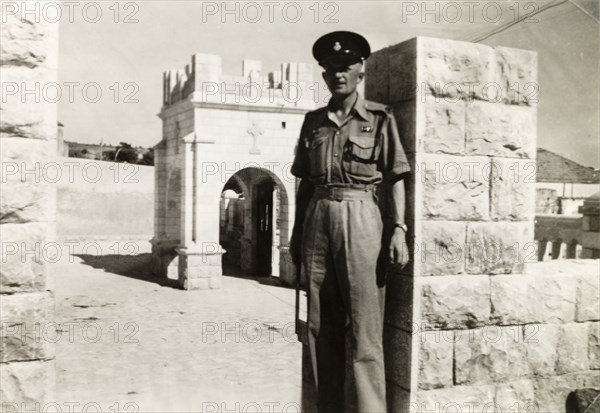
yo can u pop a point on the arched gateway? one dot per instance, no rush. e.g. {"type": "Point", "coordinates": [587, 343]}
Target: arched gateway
{"type": "Point", "coordinates": [254, 222]}
{"type": "Point", "coordinates": [223, 191]}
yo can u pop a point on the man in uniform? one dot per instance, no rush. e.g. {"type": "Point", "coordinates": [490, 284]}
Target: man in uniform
{"type": "Point", "coordinates": [347, 150]}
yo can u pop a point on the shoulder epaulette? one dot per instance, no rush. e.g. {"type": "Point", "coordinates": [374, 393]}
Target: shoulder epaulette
{"type": "Point", "coordinates": [377, 107]}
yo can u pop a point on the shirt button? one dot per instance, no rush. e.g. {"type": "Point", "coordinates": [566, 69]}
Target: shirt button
{"type": "Point", "coordinates": [335, 154]}
{"type": "Point", "coordinates": [337, 133]}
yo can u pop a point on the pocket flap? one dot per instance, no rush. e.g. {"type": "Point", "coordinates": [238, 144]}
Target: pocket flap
{"type": "Point", "coordinates": [364, 142]}
{"type": "Point", "coordinates": [313, 143]}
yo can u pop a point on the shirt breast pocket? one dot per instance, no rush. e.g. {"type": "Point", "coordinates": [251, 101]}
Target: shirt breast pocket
{"type": "Point", "coordinates": [362, 155]}
{"type": "Point", "coordinates": [362, 147]}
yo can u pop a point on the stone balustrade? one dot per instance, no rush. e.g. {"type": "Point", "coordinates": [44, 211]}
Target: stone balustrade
{"type": "Point", "coordinates": [558, 236]}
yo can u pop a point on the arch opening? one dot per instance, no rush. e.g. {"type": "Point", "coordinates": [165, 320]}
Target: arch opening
{"type": "Point", "coordinates": [253, 223]}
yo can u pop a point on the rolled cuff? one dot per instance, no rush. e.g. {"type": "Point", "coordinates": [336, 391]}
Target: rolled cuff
{"type": "Point", "coordinates": [398, 171]}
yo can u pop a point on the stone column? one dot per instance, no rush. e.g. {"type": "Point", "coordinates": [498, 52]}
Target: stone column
{"type": "Point", "coordinates": [160, 181]}
{"type": "Point", "coordinates": [199, 258]}
{"type": "Point", "coordinates": [467, 117]}
{"type": "Point", "coordinates": [590, 231]}
{"type": "Point", "coordinates": [28, 128]}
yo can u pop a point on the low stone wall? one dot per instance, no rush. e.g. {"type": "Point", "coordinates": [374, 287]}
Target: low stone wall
{"type": "Point", "coordinates": [523, 345]}
{"type": "Point", "coordinates": [104, 200]}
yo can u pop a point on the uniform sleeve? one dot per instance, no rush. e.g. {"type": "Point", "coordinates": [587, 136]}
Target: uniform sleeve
{"type": "Point", "coordinates": [393, 161]}
{"type": "Point", "coordinates": [300, 165]}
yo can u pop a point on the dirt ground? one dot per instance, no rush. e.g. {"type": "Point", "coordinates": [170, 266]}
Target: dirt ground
{"type": "Point", "coordinates": [133, 343]}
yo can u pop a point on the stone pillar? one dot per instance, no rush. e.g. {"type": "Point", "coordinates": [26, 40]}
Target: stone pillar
{"type": "Point", "coordinates": [199, 258]}
{"type": "Point", "coordinates": [160, 181]}
{"type": "Point", "coordinates": [28, 129]}
{"type": "Point", "coordinates": [590, 231]}
{"type": "Point", "coordinates": [467, 118]}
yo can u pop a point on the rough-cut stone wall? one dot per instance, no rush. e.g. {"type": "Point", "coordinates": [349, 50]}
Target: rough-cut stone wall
{"type": "Point", "coordinates": [467, 326]}
{"type": "Point", "coordinates": [28, 128]}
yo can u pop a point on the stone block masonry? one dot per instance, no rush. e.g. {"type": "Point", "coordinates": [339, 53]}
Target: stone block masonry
{"type": "Point", "coordinates": [472, 324]}
{"type": "Point", "coordinates": [28, 130]}
{"type": "Point", "coordinates": [219, 130]}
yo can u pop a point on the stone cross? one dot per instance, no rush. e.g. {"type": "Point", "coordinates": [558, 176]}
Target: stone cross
{"type": "Point", "coordinates": [255, 130]}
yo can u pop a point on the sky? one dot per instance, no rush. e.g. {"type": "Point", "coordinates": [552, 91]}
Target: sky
{"type": "Point", "coordinates": [124, 51]}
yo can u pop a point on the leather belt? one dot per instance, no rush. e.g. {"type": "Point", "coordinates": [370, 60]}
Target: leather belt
{"type": "Point", "coordinates": [345, 193]}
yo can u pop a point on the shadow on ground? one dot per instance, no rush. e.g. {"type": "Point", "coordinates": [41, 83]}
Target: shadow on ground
{"type": "Point", "coordinates": [139, 267]}
{"type": "Point", "coordinates": [230, 270]}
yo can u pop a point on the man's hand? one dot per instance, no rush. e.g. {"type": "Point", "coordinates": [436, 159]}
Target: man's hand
{"type": "Point", "coordinates": [399, 248]}
{"type": "Point", "coordinates": [398, 245]}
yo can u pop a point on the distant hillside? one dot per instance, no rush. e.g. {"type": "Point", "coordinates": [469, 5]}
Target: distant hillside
{"type": "Point", "coordinates": [116, 153]}
{"type": "Point", "coordinates": [89, 146]}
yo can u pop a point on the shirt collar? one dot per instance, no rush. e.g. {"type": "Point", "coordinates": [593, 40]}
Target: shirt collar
{"type": "Point", "coordinates": [359, 108]}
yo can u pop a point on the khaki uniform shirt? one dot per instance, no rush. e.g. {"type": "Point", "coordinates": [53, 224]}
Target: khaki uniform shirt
{"type": "Point", "coordinates": [365, 149]}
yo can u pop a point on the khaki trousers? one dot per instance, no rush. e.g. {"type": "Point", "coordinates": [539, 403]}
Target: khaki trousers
{"type": "Point", "coordinates": [341, 244]}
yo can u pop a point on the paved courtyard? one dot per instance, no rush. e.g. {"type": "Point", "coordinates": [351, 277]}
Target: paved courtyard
{"type": "Point", "coordinates": [131, 343]}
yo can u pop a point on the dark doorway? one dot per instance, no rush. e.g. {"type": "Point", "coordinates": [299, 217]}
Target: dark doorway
{"type": "Point", "coordinates": [264, 227]}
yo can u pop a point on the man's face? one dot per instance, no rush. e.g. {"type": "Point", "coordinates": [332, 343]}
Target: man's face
{"type": "Point", "coordinates": [343, 80]}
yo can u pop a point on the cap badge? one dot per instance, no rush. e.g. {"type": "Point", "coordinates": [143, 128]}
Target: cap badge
{"type": "Point", "coordinates": [337, 46]}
